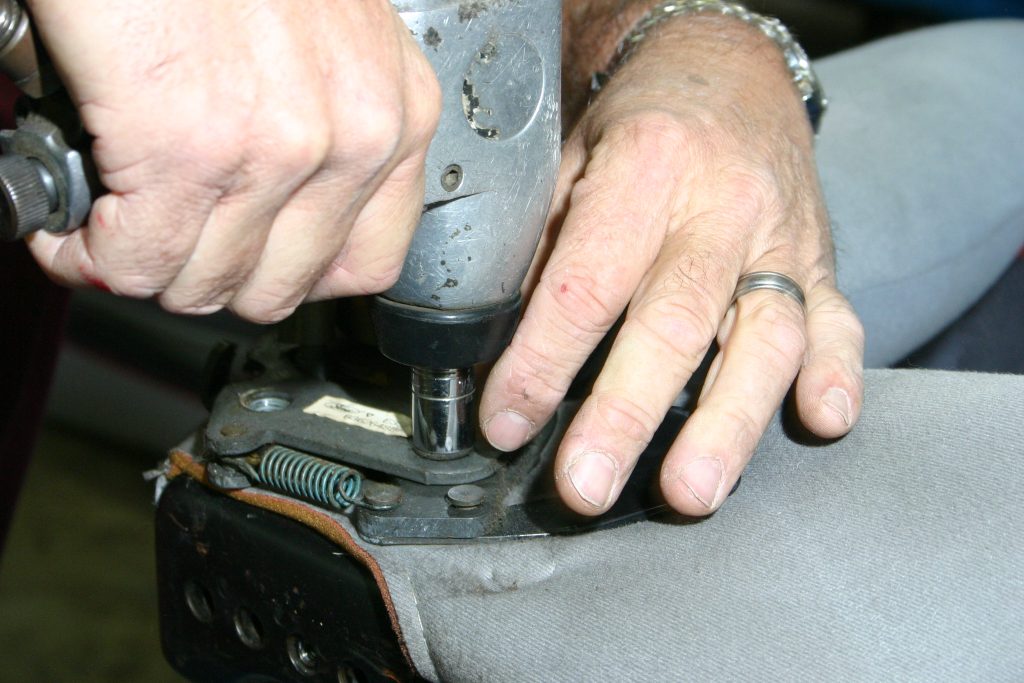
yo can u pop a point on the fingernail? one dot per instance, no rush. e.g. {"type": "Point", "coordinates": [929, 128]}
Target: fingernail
{"type": "Point", "coordinates": [703, 477]}
{"type": "Point", "coordinates": [839, 401]}
{"type": "Point", "coordinates": [507, 430]}
{"type": "Point", "coordinates": [593, 476]}
{"type": "Point", "coordinates": [206, 309]}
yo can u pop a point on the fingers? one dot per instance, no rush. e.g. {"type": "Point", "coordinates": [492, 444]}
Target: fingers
{"type": "Point", "coordinates": [830, 389]}
{"type": "Point", "coordinates": [128, 248]}
{"type": "Point", "coordinates": [373, 254]}
{"type": "Point", "coordinates": [616, 222]}
{"type": "Point", "coordinates": [763, 349]}
{"type": "Point", "coordinates": [281, 150]}
{"type": "Point", "coordinates": [306, 234]}
{"type": "Point", "coordinates": [667, 331]}
{"type": "Point", "coordinates": [571, 169]}
{"type": "Point", "coordinates": [372, 257]}
{"type": "Point", "coordinates": [754, 370]}
{"type": "Point", "coordinates": [764, 342]}
{"type": "Point", "coordinates": [678, 306]}
{"type": "Point", "coordinates": [229, 246]}
{"type": "Point", "coordinates": [316, 225]}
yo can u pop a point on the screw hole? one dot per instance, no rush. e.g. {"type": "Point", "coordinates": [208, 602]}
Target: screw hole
{"type": "Point", "coordinates": [451, 178]}
{"type": "Point", "coordinates": [350, 674]}
{"type": "Point", "coordinates": [248, 628]}
{"type": "Point", "coordinates": [265, 400]}
{"type": "Point", "coordinates": [304, 659]}
{"type": "Point", "coordinates": [199, 603]}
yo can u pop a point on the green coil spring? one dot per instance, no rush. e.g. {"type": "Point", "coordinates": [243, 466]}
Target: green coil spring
{"type": "Point", "coordinates": [320, 481]}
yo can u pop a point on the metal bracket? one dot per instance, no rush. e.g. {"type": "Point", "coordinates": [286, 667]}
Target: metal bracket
{"type": "Point", "coordinates": [276, 414]}
{"type": "Point", "coordinates": [404, 498]}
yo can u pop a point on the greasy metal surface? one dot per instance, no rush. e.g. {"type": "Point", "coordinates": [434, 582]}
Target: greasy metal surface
{"type": "Point", "coordinates": [234, 430]}
{"type": "Point", "coordinates": [497, 63]}
{"type": "Point", "coordinates": [381, 496]}
{"type": "Point", "coordinates": [513, 494]}
{"type": "Point", "coordinates": [466, 495]}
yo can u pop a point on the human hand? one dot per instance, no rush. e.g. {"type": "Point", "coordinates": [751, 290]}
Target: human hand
{"type": "Point", "coordinates": [694, 166]}
{"type": "Point", "coordinates": [257, 153]}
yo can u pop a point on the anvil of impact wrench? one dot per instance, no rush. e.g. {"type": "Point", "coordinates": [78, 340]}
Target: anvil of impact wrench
{"type": "Point", "coordinates": [317, 414]}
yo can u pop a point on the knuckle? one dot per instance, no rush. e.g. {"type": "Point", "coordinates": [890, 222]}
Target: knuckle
{"type": "Point", "coordinates": [655, 142]}
{"type": "Point", "coordinates": [683, 327]}
{"type": "Point", "coordinates": [131, 285]}
{"type": "Point", "coordinates": [653, 132]}
{"type": "Point", "coordinates": [750, 191]}
{"type": "Point", "coordinates": [364, 279]}
{"type": "Point", "coordinates": [266, 143]}
{"type": "Point", "coordinates": [706, 263]}
{"type": "Point", "coordinates": [598, 219]}
{"type": "Point", "coordinates": [373, 135]}
{"type": "Point", "coordinates": [848, 328]}
{"type": "Point", "coordinates": [854, 329]}
{"type": "Point", "coordinates": [380, 279]}
{"type": "Point", "coordinates": [179, 303]}
{"type": "Point", "coordinates": [744, 428]}
{"type": "Point", "coordinates": [780, 331]}
{"type": "Point", "coordinates": [626, 418]}
{"type": "Point", "coordinates": [214, 151]}
{"type": "Point", "coordinates": [198, 299]}
{"type": "Point", "coordinates": [537, 378]}
{"type": "Point", "coordinates": [189, 307]}
{"type": "Point", "coordinates": [261, 308]}
{"type": "Point", "coordinates": [300, 146]}
{"type": "Point", "coordinates": [588, 304]}
{"type": "Point", "coordinates": [423, 110]}
{"type": "Point", "coordinates": [835, 315]}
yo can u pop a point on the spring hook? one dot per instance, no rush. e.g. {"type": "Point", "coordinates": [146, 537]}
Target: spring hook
{"type": "Point", "coordinates": [320, 481]}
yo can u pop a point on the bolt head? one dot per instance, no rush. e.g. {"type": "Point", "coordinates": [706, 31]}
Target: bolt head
{"type": "Point", "coordinates": [466, 495]}
{"type": "Point", "coordinates": [378, 496]}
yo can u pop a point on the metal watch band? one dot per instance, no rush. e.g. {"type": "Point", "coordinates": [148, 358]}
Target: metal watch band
{"type": "Point", "coordinates": [799, 64]}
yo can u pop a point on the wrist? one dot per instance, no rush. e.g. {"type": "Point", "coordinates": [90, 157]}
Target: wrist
{"type": "Point", "coordinates": [737, 29]}
{"type": "Point", "coordinates": [593, 31]}
{"type": "Point", "coordinates": [717, 71]}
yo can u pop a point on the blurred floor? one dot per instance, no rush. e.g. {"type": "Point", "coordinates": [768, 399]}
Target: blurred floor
{"type": "Point", "coordinates": [77, 580]}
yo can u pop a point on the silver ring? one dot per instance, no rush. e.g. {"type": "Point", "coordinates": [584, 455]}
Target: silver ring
{"type": "Point", "coordinates": [767, 279]}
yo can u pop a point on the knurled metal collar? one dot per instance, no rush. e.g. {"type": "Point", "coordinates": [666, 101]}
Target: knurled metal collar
{"type": "Point", "coordinates": [28, 203]}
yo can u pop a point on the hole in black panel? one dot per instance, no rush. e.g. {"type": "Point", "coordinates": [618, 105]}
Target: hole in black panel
{"type": "Point", "coordinates": [304, 659]}
{"type": "Point", "coordinates": [248, 628]}
{"type": "Point", "coordinates": [199, 602]}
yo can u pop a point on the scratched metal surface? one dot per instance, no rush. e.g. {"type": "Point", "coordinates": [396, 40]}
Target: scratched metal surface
{"type": "Point", "coordinates": [497, 63]}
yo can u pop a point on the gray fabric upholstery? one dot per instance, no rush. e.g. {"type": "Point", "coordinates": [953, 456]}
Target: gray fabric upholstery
{"type": "Point", "coordinates": [922, 161]}
{"type": "Point", "coordinates": [893, 554]}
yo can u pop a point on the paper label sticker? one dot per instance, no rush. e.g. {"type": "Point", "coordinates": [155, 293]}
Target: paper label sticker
{"type": "Point", "coordinates": [357, 415]}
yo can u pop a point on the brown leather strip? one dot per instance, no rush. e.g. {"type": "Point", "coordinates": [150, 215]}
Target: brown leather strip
{"type": "Point", "coordinates": [315, 518]}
